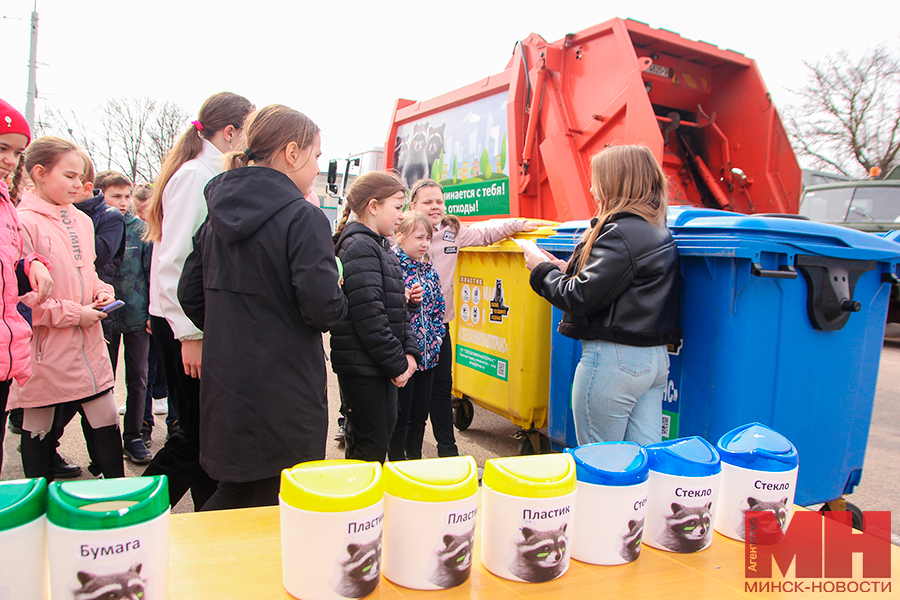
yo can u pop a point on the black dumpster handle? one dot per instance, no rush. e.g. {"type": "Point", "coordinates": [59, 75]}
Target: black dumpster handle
{"type": "Point", "coordinates": [783, 272]}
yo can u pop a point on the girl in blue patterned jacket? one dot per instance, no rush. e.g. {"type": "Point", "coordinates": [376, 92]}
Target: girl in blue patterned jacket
{"type": "Point", "coordinates": [413, 243]}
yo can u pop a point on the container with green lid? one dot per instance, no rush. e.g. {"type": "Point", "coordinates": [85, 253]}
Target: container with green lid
{"type": "Point", "coordinates": [111, 535]}
{"type": "Point", "coordinates": [23, 540]}
{"type": "Point", "coordinates": [528, 506]}
{"type": "Point", "coordinates": [429, 521]}
{"type": "Point", "coordinates": [332, 512]}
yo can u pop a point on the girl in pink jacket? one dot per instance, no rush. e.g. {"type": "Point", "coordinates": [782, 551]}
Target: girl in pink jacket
{"type": "Point", "coordinates": [69, 360]}
{"type": "Point", "coordinates": [15, 333]}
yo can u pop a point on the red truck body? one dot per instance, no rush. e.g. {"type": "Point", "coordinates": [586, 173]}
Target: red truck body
{"type": "Point", "coordinates": [519, 143]}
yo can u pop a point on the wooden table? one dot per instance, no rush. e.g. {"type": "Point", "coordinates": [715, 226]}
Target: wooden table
{"type": "Point", "coordinates": [237, 554]}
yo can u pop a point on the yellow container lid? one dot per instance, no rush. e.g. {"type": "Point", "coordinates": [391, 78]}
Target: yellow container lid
{"type": "Point", "coordinates": [539, 476]}
{"type": "Point", "coordinates": [332, 485]}
{"type": "Point", "coordinates": [433, 479]}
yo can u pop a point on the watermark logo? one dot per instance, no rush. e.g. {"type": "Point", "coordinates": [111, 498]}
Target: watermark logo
{"type": "Point", "coordinates": [817, 553]}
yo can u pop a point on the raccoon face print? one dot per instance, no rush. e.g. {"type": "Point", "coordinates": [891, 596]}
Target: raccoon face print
{"type": "Point", "coordinates": [538, 556]}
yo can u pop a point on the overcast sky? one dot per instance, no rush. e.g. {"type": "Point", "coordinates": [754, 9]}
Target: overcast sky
{"type": "Point", "coordinates": [345, 63]}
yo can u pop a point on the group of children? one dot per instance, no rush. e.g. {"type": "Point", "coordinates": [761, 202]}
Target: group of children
{"type": "Point", "coordinates": [243, 281]}
{"type": "Point", "coordinates": [91, 239]}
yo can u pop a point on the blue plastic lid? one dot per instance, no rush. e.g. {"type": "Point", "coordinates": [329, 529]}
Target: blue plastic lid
{"type": "Point", "coordinates": [744, 236]}
{"type": "Point", "coordinates": [611, 463]}
{"type": "Point", "coordinates": [565, 239]}
{"type": "Point", "coordinates": [679, 215]}
{"type": "Point", "coordinates": [755, 446]}
{"type": "Point", "coordinates": [685, 457]}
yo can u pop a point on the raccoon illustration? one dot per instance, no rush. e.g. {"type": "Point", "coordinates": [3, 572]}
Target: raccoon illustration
{"type": "Point", "coordinates": [401, 145]}
{"type": "Point", "coordinates": [687, 529]}
{"type": "Point", "coordinates": [539, 556]}
{"type": "Point", "coordinates": [126, 585]}
{"type": "Point", "coordinates": [779, 509]}
{"type": "Point", "coordinates": [357, 574]}
{"type": "Point", "coordinates": [451, 562]}
{"type": "Point", "coordinates": [630, 542]}
{"type": "Point", "coordinates": [435, 144]}
{"type": "Point", "coordinates": [415, 167]}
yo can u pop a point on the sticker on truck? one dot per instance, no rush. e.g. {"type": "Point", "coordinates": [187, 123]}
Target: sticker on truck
{"type": "Point", "coordinates": [465, 150]}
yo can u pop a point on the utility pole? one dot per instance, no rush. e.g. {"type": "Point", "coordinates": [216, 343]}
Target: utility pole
{"type": "Point", "coordinates": [32, 70]}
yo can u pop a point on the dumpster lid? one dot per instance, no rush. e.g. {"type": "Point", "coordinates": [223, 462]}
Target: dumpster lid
{"type": "Point", "coordinates": [686, 457]}
{"type": "Point", "coordinates": [757, 447]}
{"type": "Point", "coordinates": [743, 236]}
{"type": "Point", "coordinates": [22, 501]}
{"type": "Point", "coordinates": [611, 463]}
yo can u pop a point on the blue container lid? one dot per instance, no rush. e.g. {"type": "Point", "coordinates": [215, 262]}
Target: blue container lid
{"type": "Point", "coordinates": [757, 447]}
{"type": "Point", "coordinates": [611, 463]}
{"type": "Point", "coordinates": [745, 236]}
{"type": "Point", "coordinates": [565, 239]}
{"type": "Point", "coordinates": [685, 457]}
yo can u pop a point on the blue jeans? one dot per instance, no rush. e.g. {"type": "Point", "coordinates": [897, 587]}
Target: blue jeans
{"type": "Point", "coordinates": [618, 391]}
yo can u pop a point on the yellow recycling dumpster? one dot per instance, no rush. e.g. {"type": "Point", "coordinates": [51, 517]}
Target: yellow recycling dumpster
{"type": "Point", "coordinates": [501, 339]}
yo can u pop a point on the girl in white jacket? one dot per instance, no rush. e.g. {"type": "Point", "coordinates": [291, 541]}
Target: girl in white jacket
{"type": "Point", "coordinates": [175, 210]}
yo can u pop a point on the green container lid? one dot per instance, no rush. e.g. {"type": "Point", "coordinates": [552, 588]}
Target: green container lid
{"type": "Point", "coordinates": [107, 503]}
{"type": "Point", "coordinates": [22, 501]}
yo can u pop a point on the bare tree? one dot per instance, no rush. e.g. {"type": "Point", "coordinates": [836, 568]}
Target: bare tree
{"type": "Point", "coordinates": [126, 123]}
{"type": "Point", "coordinates": [850, 113]}
{"type": "Point", "coordinates": [167, 125]}
{"type": "Point", "coordinates": [134, 136]}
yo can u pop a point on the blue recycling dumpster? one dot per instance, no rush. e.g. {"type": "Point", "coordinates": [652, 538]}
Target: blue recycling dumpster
{"type": "Point", "coordinates": [783, 324]}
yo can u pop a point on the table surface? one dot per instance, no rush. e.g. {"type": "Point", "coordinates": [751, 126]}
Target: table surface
{"type": "Point", "coordinates": [237, 554]}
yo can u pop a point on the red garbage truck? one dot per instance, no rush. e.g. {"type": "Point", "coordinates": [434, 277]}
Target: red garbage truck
{"type": "Point", "coordinates": [519, 143]}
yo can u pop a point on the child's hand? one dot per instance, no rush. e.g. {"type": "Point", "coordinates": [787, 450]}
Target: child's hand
{"type": "Point", "coordinates": [40, 280]}
{"type": "Point", "coordinates": [104, 298]}
{"type": "Point", "coordinates": [415, 293]}
{"type": "Point", "coordinates": [529, 226]}
{"type": "Point", "coordinates": [400, 380]}
{"type": "Point", "coordinates": [90, 315]}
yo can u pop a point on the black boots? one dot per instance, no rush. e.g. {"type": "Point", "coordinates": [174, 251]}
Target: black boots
{"type": "Point", "coordinates": [37, 454]}
{"type": "Point", "coordinates": [107, 451]}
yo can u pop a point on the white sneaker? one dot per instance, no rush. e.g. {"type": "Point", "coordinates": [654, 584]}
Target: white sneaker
{"type": "Point", "coordinates": [161, 406]}
{"type": "Point", "coordinates": [122, 410]}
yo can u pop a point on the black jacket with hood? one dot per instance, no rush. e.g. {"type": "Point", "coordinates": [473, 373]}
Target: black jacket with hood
{"type": "Point", "coordinates": [262, 284]}
{"type": "Point", "coordinates": [628, 291]}
{"type": "Point", "coordinates": [375, 337]}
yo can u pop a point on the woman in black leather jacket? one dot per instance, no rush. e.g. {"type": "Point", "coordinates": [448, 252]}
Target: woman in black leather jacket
{"type": "Point", "coordinates": [620, 295]}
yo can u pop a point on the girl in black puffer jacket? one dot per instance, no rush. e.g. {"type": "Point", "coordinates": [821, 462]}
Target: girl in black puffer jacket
{"type": "Point", "coordinates": [373, 350]}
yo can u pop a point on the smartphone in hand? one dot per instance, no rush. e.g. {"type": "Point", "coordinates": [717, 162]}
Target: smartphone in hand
{"type": "Point", "coordinates": [114, 305]}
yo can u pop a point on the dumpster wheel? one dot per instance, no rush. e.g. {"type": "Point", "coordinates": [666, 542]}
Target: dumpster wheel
{"type": "Point", "coordinates": [463, 412]}
{"type": "Point", "coordinates": [856, 516]}
{"type": "Point", "coordinates": [533, 442]}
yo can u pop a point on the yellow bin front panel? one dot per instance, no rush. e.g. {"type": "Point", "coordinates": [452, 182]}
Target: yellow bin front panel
{"type": "Point", "coordinates": [501, 333]}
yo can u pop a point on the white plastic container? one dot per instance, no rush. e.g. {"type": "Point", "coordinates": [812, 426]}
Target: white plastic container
{"type": "Point", "coordinates": [612, 499]}
{"type": "Point", "coordinates": [685, 476]}
{"type": "Point", "coordinates": [332, 516]}
{"type": "Point", "coordinates": [111, 535]}
{"type": "Point", "coordinates": [759, 474]}
{"type": "Point", "coordinates": [23, 540]}
{"type": "Point", "coordinates": [528, 506]}
{"type": "Point", "coordinates": [429, 521]}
